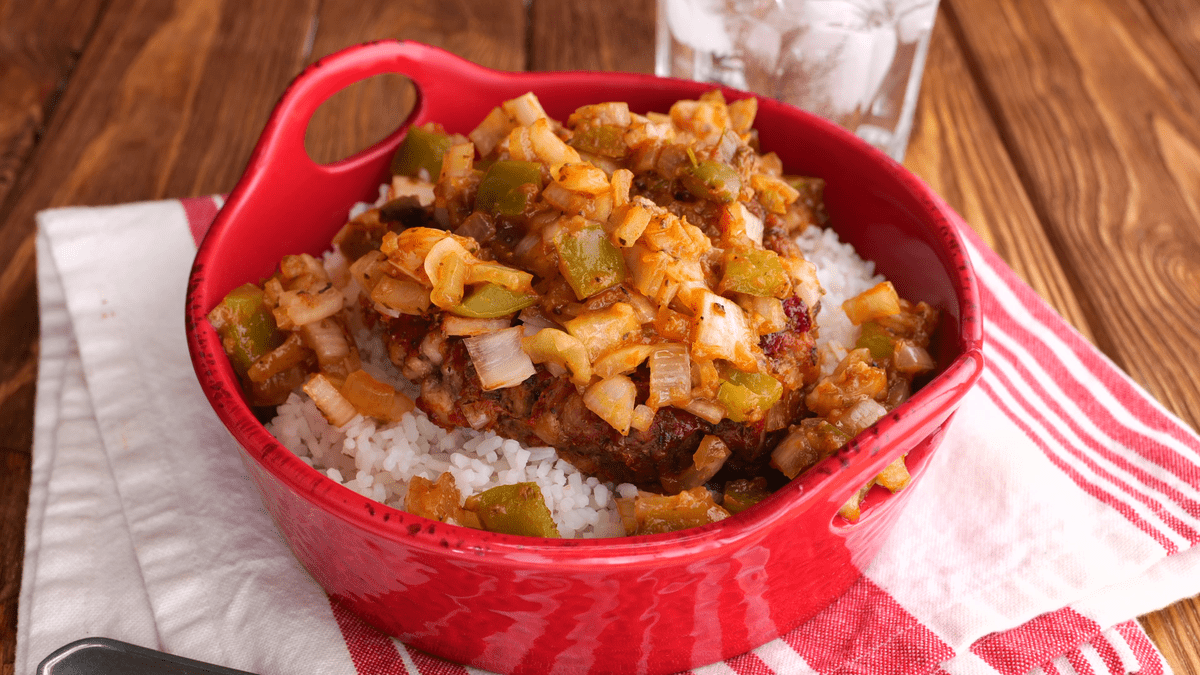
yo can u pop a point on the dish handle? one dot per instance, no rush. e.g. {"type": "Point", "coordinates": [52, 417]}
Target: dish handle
{"type": "Point", "coordinates": [440, 78]}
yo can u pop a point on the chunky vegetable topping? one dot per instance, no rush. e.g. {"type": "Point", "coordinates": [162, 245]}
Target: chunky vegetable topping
{"type": "Point", "coordinates": [624, 287]}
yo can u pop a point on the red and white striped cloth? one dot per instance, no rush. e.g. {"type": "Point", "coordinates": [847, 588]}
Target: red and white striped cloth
{"type": "Point", "coordinates": [1064, 502]}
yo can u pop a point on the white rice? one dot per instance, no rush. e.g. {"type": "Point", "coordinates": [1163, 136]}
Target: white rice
{"type": "Point", "coordinates": [378, 461]}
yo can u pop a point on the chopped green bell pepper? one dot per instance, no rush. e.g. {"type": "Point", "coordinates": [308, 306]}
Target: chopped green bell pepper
{"type": "Point", "coordinates": [589, 261]}
{"type": "Point", "coordinates": [748, 395]}
{"type": "Point", "coordinates": [492, 301]}
{"type": "Point", "coordinates": [422, 148]}
{"type": "Point", "coordinates": [754, 272]}
{"type": "Point", "coordinates": [712, 180]}
{"type": "Point", "coordinates": [498, 191]}
{"type": "Point", "coordinates": [247, 328]}
{"type": "Point", "coordinates": [516, 509]}
{"type": "Point", "coordinates": [875, 338]}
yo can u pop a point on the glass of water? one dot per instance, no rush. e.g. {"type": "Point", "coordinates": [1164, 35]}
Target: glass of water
{"type": "Point", "coordinates": [855, 62]}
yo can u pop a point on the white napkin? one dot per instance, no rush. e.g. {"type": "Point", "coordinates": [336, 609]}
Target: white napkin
{"type": "Point", "coordinates": [1063, 502]}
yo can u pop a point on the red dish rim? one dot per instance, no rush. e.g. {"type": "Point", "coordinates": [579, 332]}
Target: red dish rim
{"type": "Point", "coordinates": [885, 437]}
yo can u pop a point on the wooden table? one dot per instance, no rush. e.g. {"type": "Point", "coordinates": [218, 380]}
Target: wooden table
{"type": "Point", "coordinates": [1067, 132]}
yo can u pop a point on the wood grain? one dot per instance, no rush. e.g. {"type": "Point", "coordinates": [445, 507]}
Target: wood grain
{"type": "Point", "coordinates": [1180, 24]}
{"type": "Point", "coordinates": [1106, 145]}
{"type": "Point", "coordinates": [40, 42]}
{"type": "Point", "coordinates": [610, 35]}
{"type": "Point", "coordinates": [491, 34]}
{"type": "Point", "coordinates": [956, 148]}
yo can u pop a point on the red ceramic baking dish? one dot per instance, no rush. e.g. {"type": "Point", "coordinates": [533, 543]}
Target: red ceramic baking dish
{"type": "Point", "coordinates": [647, 604]}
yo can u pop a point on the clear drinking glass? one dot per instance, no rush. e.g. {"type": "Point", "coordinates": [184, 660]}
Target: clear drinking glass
{"type": "Point", "coordinates": [855, 62]}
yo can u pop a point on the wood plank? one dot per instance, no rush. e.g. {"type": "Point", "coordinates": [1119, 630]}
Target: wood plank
{"type": "Point", "coordinates": [956, 148]}
{"type": "Point", "coordinates": [610, 35]}
{"type": "Point", "coordinates": [491, 34]}
{"type": "Point", "coordinates": [33, 71]}
{"type": "Point", "coordinates": [1176, 631]}
{"type": "Point", "coordinates": [1107, 140]}
{"type": "Point", "coordinates": [1180, 23]}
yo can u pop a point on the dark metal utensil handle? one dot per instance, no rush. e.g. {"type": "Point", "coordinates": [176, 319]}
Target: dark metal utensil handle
{"type": "Point", "coordinates": [102, 656]}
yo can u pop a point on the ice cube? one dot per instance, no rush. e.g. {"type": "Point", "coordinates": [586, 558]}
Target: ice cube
{"type": "Point", "coordinates": [836, 72]}
{"type": "Point", "coordinates": [760, 42]}
{"type": "Point", "coordinates": [700, 24]}
{"type": "Point", "coordinates": [914, 18]}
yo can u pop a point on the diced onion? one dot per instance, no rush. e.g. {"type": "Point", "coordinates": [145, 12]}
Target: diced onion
{"type": "Point", "coordinates": [368, 269]}
{"type": "Point", "coordinates": [446, 265]}
{"type": "Point", "coordinates": [709, 411]}
{"type": "Point", "coordinates": [622, 360]}
{"type": "Point", "coordinates": [794, 454]}
{"type": "Point", "coordinates": [532, 317]}
{"type": "Point", "coordinates": [403, 297]}
{"type": "Point", "coordinates": [670, 375]}
{"type": "Point", "coordinates": [336, 409]}
{"type": "Point", "coordinates": [491, 131]}
{"type": "Point", "coordinates": [738, 222]}
{"type": "Point", "coordinates": [327, 339]}
{"type": "Point", "coordinates": [525, 109]}
{"type": "Point", "coordinates": [647, 269]}
{"type": "Point", "coordinates": [708, 459]}
{"type": "Point", "coordinates": [894, 476]}
{"type": "Point", "coordinates": [404, 186]}
{"type": "Point", "coordinates": [721, 331]}
{"type": "Point", "coordinates": [374, 398]}
{"type": "Point", "coordinates": [911, 358]}
{"type": "Point", "coordinates": [498, 358]}
{"type": "Point", "coordinates": [559, 351]}
{"type": "Point", "coordinates": [877, 301]}
{"type": "Point", "coordinates": [860, 416]}
{"type": "Point", "coordinates": [643, 417]}
{"type": "Point", "coordinates": [458, 160]}
{"type": "Point", "coordinates": [613, 400]}
{"type": "Point", "coordinates": [461, 325]}
{"type": "Point", "coordinates": [548, 147]}
{"type": "Point", "coordinates": [407, 250]}
{"type": "Point", "coordinates": [297, 308]}
{"type": "Point", "coordinates": [804, 281]}
{"type": "Point", "coordinates": [606, 329]}
{"type": "Point", "coordinates": [630, 220]}
{"type": "Point", "coordinates": [583, 178]}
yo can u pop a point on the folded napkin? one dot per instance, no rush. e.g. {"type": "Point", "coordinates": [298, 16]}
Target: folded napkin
{"type": "Point", "coordinates": [1064, 501]}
